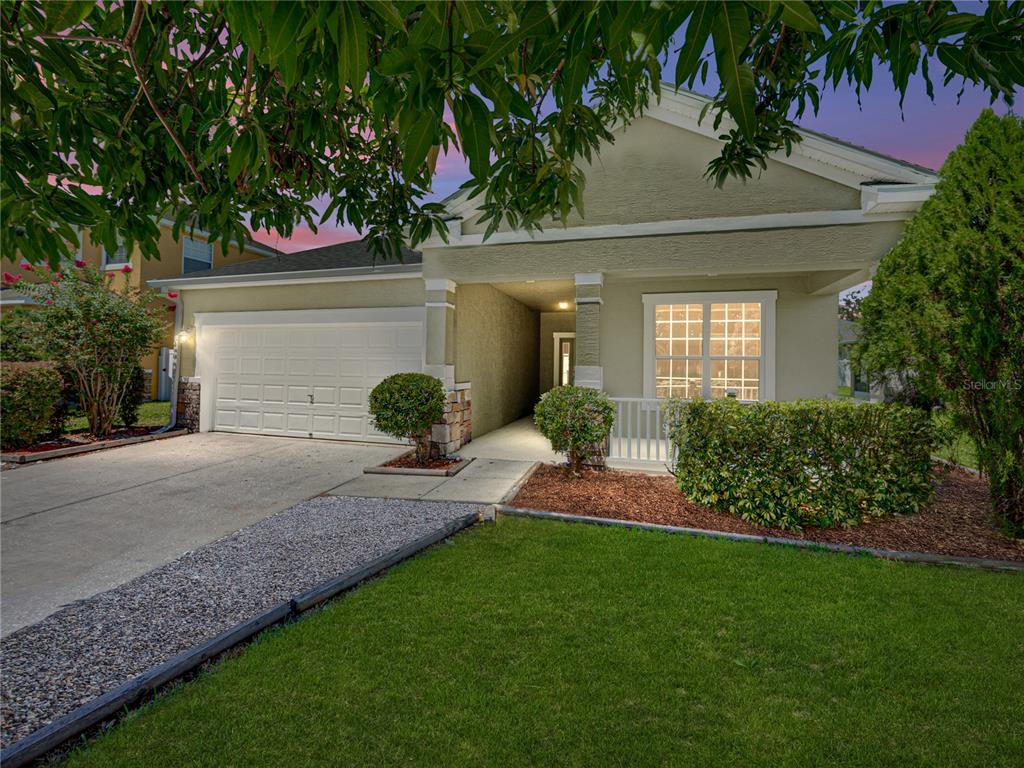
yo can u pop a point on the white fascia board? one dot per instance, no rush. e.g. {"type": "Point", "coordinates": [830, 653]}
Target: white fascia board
{"type": "Point", "coordinates": [851, 217]}
{"type": "Point", "coordinates": [284, 278]}
{"type": "Point", "coordinates": [889, 198]}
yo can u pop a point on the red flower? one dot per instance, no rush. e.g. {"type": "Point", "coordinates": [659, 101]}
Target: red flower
{"type": "Point", "coordinates": [9, 278]}
{"type": "Point", "coordinates": [26, 267]}
{"type": "Point", "coordinates": [48, 301]}
{"type": "Point", "coordinates": [79, 263]}
{"type": "Point", "coordinates": [172, 294]}
{"type": "Point", "coordinates": [126, 268]}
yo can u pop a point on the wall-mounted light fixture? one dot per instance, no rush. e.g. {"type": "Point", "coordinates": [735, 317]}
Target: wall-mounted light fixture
{"type": "Point", "coordinates": [184, 335]}
{"type": "Point", "coordinates": [563, 305]}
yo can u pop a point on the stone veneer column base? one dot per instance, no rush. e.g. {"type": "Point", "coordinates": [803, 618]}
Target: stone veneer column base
{"type": "Point", "coordinates": [188, 404]}
{"type": "Point", "coordinates": [456, 426]}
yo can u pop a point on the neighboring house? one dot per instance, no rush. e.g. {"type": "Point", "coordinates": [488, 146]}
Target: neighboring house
{"type": "Point", "coordinates": [669, 287]}
{"type": "Point", "coordinates": [188, 255]}
{"type": "Point", "coordinates": [852, 382]}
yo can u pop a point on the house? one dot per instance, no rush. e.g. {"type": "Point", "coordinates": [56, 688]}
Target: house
{"type": "Point", "coordinates": [191, 253]}
{"type": "Point", "coordinates": [668, 287]}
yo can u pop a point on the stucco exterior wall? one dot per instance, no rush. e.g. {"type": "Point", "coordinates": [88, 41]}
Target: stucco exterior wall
{"type": "Point", "coordinates": [551, 323]}
{"type": "Point", "coordinates": [496, 350]}
{"type": "Point", "coordinates": [805, 333]}
{"type": "Point", "coordinates": [364, 293]}
{"type": "Point", "coordinates": [655, 172]}
{"type": "Point", "coordinates": [765, 251]}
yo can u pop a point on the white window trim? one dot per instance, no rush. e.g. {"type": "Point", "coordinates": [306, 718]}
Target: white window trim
{"type": "Point", "coordinates": [556, 370]}
{"type": "Point", "coordinates": [767, 299]}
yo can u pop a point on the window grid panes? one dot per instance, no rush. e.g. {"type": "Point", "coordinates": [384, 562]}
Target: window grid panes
{"type": "Point", "coordinates": [196, 255]}
{"type": "Point", "coordinates": [735, 350]}
{"type": "Point", "coordinates": [678, 350]}
{"type": "Point", "coordinates": [711, 349]}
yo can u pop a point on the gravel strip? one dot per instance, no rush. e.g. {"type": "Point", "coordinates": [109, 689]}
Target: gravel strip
{"type": "Point", "coordinates": [90, 647]}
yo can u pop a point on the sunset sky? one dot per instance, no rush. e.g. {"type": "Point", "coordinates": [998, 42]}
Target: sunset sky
{"type": "Point", "coordinates": [923, 132]}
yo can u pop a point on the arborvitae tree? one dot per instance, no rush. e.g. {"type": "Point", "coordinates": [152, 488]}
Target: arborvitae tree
{"type": "Point", "coordinates": [947, 304]}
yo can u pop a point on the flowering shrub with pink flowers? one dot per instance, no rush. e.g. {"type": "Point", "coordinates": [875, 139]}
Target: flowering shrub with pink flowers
{"type": "Point", "coordinates": [95, 334]}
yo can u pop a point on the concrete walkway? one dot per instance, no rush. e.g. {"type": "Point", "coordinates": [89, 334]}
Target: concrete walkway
{"type": "Point", "coordinates": [518, 441]}
{"type": "Point", "coordinates": [77, 526]}
{"type": "Point", "coordinates": [485, 481]}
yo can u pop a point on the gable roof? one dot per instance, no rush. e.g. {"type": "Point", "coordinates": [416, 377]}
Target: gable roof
{"type": "Point", "coordinates": [820, 154]}
{"type": "Point", "coordinates": [349, 259]}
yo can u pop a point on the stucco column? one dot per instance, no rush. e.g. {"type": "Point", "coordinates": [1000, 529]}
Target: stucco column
{"type": "Point", "coordinates": [440, 351]}
{"type": "Point", "coordinates": [589, 372]}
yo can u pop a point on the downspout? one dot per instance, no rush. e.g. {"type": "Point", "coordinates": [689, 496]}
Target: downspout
{"type": "Point", "coordinates": [176, 367]}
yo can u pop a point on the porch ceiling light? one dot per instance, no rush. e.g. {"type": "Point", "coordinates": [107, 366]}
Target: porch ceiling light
{"type": "Point", "coordinates": [563, 305]}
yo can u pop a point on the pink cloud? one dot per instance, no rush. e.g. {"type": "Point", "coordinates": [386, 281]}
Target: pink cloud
{"type": "Point", "coordinates": [303, 238]}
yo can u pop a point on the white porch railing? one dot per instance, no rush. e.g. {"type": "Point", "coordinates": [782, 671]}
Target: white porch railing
{"type": "Point", "coordinates": [639, 432]}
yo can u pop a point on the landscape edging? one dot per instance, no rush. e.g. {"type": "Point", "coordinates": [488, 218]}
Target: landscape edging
{"type": "Point", "coordinates": [888, 554]}
{"type": "Point", "coordinates": [74, 450]}
{"type": "Point", "coordinates": [60, 731]}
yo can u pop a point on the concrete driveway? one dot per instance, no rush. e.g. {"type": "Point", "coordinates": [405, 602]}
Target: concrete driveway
{"type": "Point", "coordinates": [78, 526]}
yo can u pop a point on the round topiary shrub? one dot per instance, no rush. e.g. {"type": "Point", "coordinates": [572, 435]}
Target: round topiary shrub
{"type": "Point", "coordinates": [576, 420]}
{"type": "Point", "coordinates": [405, 406]}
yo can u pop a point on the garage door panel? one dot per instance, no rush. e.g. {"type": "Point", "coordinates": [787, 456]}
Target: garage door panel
{"type": "Point", "coordinates": [273, 366]}
{"type": "Point", "coordinates": [325, 395]}
{"type": "Point", "coordinates": [265, 376]}
{"type": "Point", "coordinates": [273, 421]}
{"type": "Point", "coordinates": [298, 394]}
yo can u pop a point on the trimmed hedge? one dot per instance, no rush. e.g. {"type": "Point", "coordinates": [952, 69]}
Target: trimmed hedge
{"type": "Point", "coordinates": [29, 394]}
{"type": "Point", "coordinates": [576, 421]}
{"type": "Point", "coordinates": [405, 405]}
{"type": "Point", "coordinates": [786, 465]}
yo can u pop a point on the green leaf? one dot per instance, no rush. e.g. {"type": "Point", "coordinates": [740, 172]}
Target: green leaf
{"type": "Point", "coordinates": [798, 14]}
{"type": "Point", "coordinates": [474, 122]}
{"type": "Point", "coordinates": [283, 30]}
{"type": "Point", "coordinates": [731, 31]}
{"type": "Point", "coordinates": [697, 31]}
{"type": "Point", "coordinates": [417, 137]}
{"type": "Point", "coordinates": [387, 11]}
{"type": "Point", "coordinates": [66, 14]}
{"type": "Point", "coordinates": [352, 45]}
{"type": "Point", "coordinates": [241, 151]}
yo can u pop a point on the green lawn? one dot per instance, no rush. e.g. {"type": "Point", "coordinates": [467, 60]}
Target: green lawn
{"type": "Point", "coordinates": [152, 414]}
{"type": "Point", "coordinates": [541, 643]}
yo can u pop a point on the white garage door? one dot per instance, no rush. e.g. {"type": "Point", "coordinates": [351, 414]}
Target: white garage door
{"type": "Point", "coordinates": [304, 380]}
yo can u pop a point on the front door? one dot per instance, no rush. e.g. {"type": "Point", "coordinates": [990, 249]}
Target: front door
{"type": "Point", "coordinates": [565, 359]}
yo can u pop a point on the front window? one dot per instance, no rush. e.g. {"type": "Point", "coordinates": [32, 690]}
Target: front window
{"type": "Point", "coordinates": [118, 258]}
{"type": "Point", "coordinates": [707, 345]}
{"type": "Point", "coordinates": [196, 255]}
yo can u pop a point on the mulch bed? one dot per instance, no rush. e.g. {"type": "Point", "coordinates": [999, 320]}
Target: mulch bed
{"type": "Point", "coordinates": [958, 521]}
{"type": "Point", "coordinates": [83, 438]}
{"type": "Point", "coordinates": [408, 460]}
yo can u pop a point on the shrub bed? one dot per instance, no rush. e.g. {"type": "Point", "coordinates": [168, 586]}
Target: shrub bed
{"type": "Point", "coordinates": [787, 465]}
{"type": "Point", "coordinates": [29, 394]}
